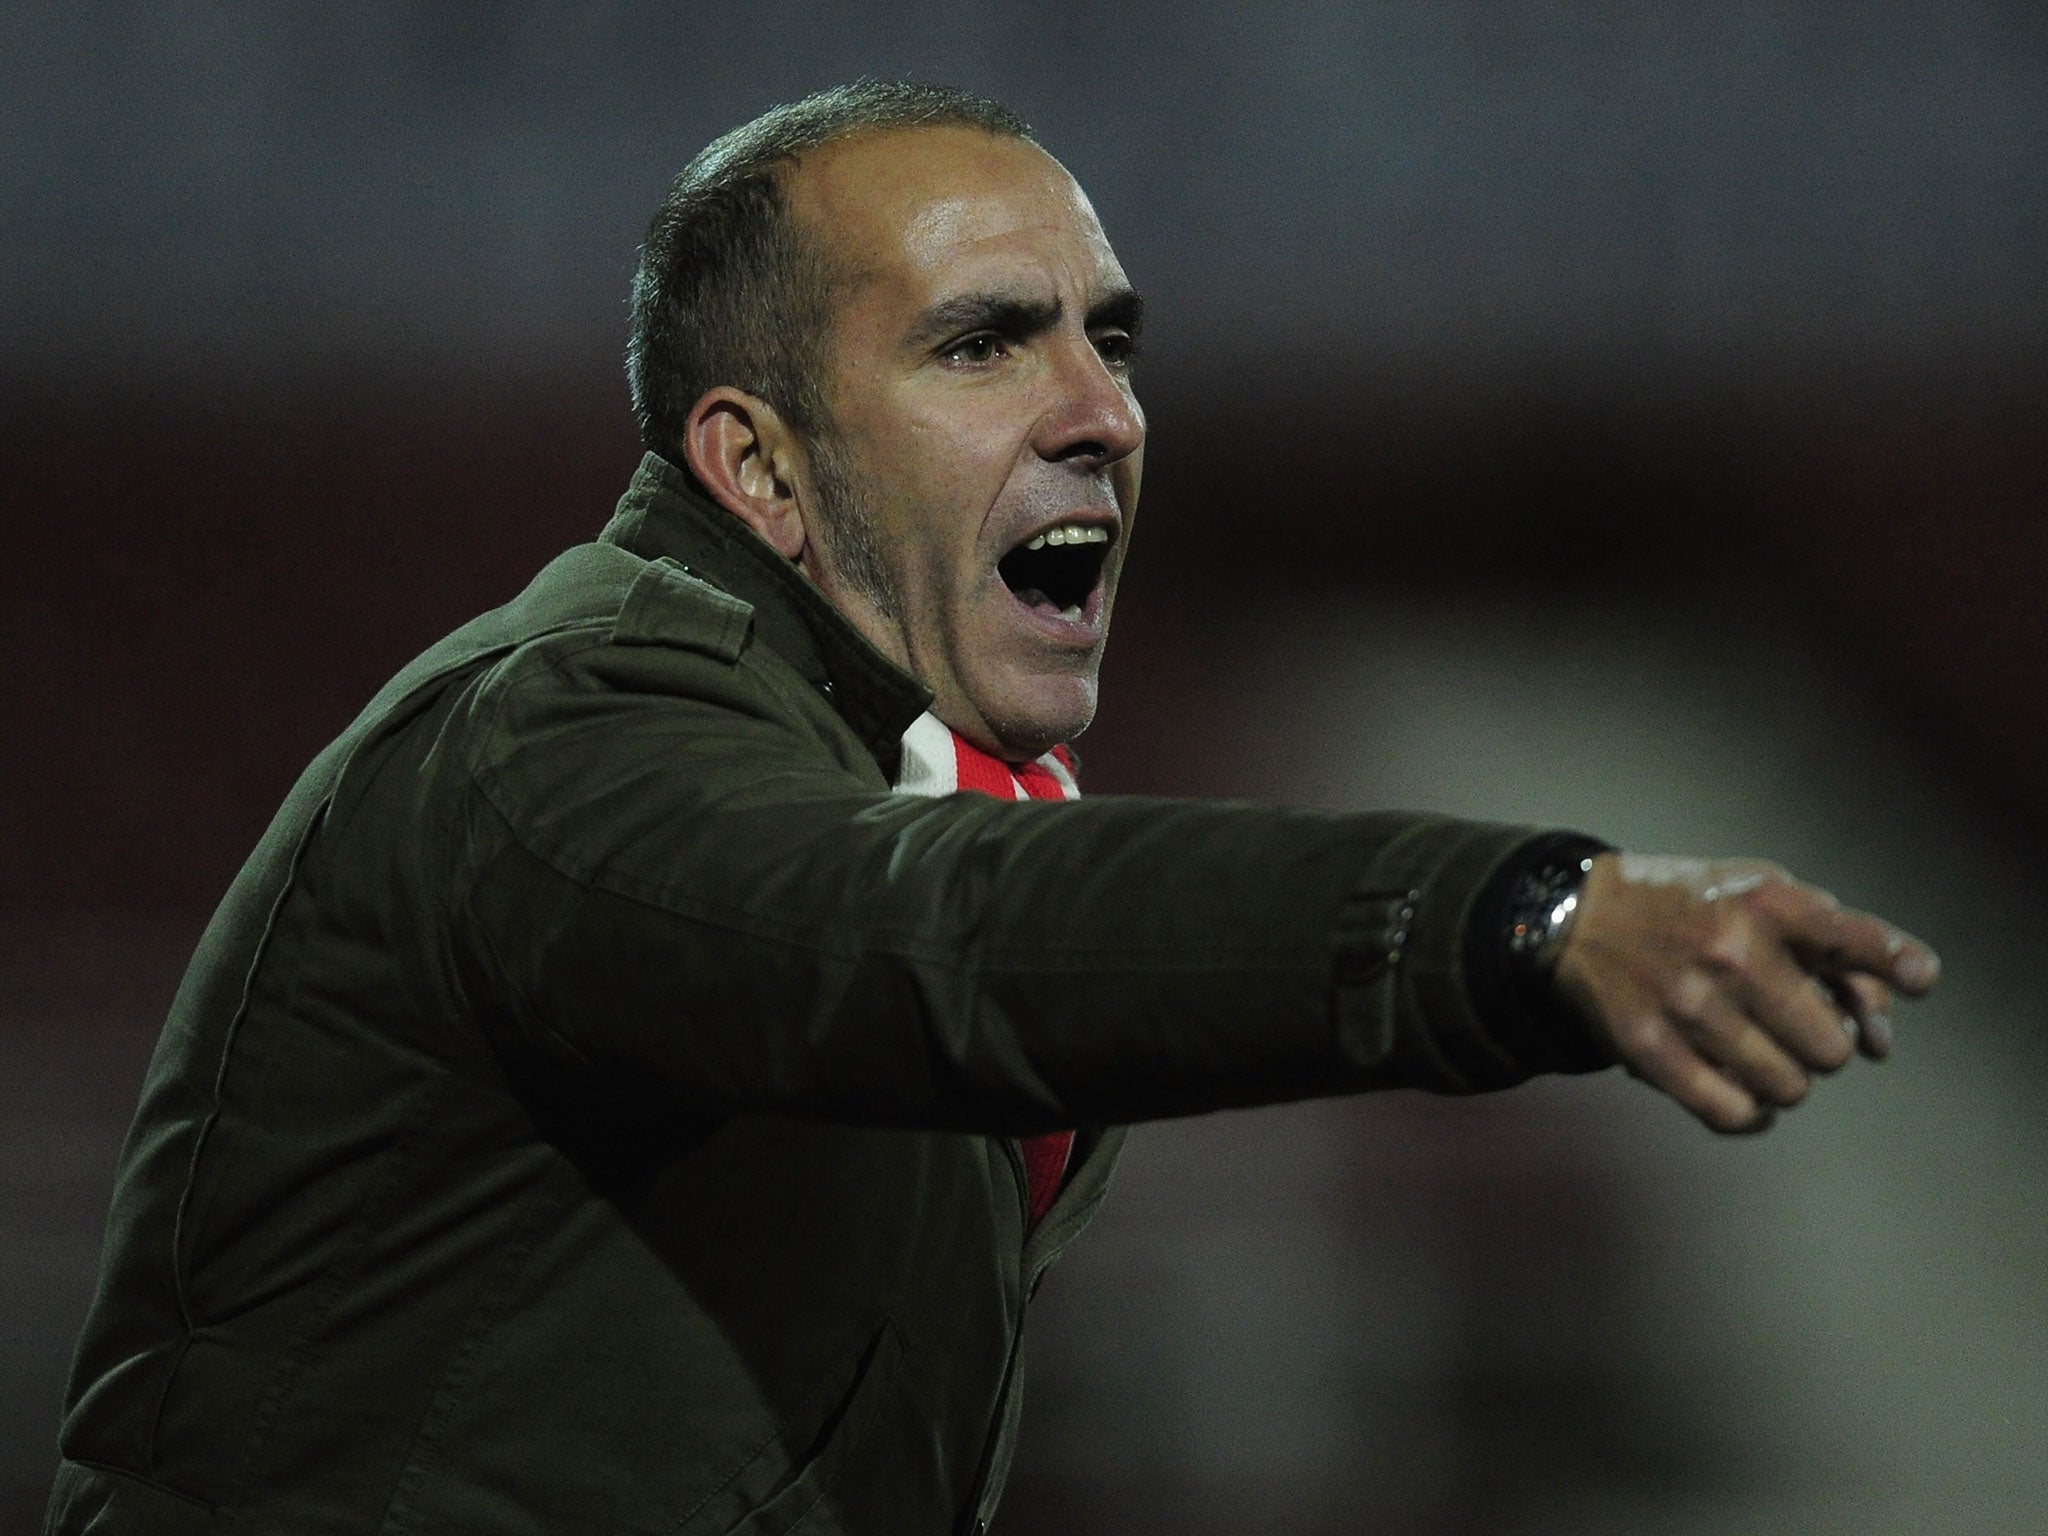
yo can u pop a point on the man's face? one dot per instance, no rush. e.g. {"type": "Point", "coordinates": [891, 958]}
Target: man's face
{"type": "Point", "coordinates": [980, 391]}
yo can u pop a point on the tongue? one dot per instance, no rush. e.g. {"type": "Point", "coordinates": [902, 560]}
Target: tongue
{"type": "Point", "coordinates": [1031, 597]}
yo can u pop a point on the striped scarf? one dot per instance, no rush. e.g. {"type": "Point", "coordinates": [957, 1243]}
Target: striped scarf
{"type": "Point", "coordinates": [939, 761]}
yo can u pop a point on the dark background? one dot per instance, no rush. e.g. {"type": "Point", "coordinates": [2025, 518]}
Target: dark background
{"type": "Point", "coordinates": [1610, 414]}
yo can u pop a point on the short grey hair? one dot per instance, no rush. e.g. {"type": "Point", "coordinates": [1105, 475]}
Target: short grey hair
{"type": "Point", "coordinates": [729, 289]}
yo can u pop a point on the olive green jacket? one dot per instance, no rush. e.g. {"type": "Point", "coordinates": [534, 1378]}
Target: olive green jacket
{"type": "Point", "coordinates": [592, 1109]}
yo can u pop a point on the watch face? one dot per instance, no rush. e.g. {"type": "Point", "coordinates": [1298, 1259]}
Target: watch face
{"type": "Point", "coordinates": [1546, 901]}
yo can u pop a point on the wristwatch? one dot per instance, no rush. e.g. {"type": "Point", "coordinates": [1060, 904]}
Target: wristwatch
{"type": "Point", "coordinates": [1541, 910]}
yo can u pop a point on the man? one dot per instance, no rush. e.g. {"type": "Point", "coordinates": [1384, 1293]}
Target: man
{"type": "Point", "coordinates": [622, 1093]}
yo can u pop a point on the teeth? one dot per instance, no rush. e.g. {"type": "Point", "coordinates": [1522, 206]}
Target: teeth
{"type": "Point", "coordinates": [1071, 615]}
{"type": "Point", "coordinates": [1070, 533]}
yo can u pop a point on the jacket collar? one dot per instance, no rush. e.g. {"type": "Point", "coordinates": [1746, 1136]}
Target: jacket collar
{"type": "Point", "coordinates": [663, 513]}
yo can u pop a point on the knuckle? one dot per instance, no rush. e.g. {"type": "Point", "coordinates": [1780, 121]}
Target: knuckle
{"type": "Point", "coordinates": [1793, 903]}
{"type": "Point", "coordinates": [1762, 875]}
{"type": "Point", "coordinates": [1730, 945]}
{"type": "Point", "coordinates": [1689, 995]}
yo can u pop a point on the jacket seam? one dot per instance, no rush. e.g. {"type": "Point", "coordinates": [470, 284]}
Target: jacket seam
{"type": "Point", "coordinates": [517, 999]}
{"type": "Point", "coordinates": [180, 1236]}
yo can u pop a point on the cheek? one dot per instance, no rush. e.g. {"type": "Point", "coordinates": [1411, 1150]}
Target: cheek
{"type": "Point", "coordinates": [961, 457]}
{"type": "Point", "coordinates": [930, 547]}
{"type": "Point", "coordinates": [1126, 477]}
{"type": "Point", "coordinates": [923, 461]}
{"type": "Point", "coordinates": [948, 481]}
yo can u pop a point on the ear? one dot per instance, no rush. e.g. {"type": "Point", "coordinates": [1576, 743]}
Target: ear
{"type": "Point", "coordinates": [744, 454]}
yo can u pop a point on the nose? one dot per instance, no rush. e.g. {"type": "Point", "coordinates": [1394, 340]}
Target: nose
{"type": "Point", "coordinates": [1092, 419]}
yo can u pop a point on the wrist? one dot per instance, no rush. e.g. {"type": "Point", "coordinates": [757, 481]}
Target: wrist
{"type": "Point", "coordinates": [1542, 907]}
{"type": "Point", "coordinates": [1514, 934]}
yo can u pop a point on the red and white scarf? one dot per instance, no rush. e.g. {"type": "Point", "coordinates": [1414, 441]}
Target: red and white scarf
{"type": "Point", "coordinates": [937, 760]}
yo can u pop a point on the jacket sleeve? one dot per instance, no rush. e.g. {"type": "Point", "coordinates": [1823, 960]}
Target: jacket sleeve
{"type": "Point", "coordinates": [669, 883]}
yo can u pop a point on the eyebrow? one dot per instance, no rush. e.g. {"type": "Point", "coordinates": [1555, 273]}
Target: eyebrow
{"type": "Point", "coordinates": [1016, 314]}
{"type": "Point", "coordinates": [1123, 308]}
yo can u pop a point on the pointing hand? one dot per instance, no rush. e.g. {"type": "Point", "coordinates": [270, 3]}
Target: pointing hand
{"type": "Point", "coordinates": [1728, 984]}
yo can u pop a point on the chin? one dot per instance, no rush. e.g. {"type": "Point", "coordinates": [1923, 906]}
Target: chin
{"type": "Point", "coordinates": [1031, 719]}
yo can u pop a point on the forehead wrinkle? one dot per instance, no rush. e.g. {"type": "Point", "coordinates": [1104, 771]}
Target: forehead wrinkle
{"type": "Point", "coordinates": [1034, 283]}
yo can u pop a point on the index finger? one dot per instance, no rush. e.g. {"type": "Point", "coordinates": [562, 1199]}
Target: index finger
{"type": "Point", "coordinates": [1840, 941]}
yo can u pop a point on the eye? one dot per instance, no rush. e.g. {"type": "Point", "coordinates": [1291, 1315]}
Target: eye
{"type": "Point", "coordinates": [982, 347]}
{"type": "Point", "coordinates": [1118, 349]}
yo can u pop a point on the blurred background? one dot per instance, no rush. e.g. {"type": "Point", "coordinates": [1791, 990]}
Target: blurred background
{"type": "Point", "coordinates": [1618, 415]}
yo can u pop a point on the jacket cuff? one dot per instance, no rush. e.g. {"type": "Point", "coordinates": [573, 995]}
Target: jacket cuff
{"type": "Point", "coordinates": [1424, 997]}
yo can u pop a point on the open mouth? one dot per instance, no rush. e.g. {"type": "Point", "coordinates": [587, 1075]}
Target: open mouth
{"type": "Point", "coordinates": [1056, 571]}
